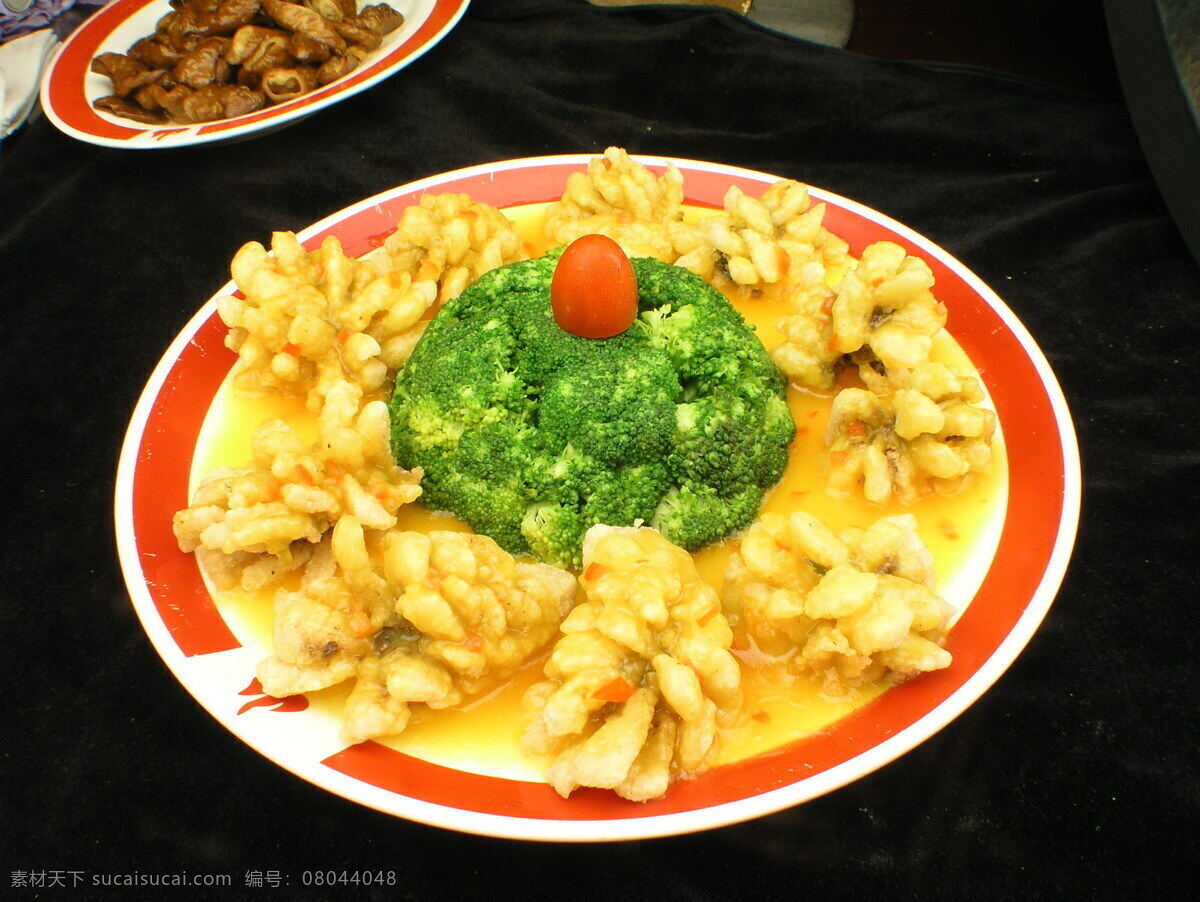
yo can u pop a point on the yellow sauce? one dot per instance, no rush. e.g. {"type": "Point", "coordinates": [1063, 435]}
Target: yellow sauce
{"type": "Point", "coordinates": [483, 736]}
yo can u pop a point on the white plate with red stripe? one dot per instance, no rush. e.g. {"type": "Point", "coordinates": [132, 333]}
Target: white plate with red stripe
{"type": "Point", "coordinates": [69, 86]}
{"type": "Point", "coordinates": [1016, 585]}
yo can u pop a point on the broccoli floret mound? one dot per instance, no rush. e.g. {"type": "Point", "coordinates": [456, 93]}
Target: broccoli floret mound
{"type": "Point", "coordinates": [532, 435]}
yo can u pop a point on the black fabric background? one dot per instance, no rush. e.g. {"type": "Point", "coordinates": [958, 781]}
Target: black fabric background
{"type": "Point", "coordinates": [1075, 774]}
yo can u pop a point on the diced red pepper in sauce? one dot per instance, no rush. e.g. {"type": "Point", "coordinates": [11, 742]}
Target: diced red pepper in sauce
{"type": "Point", "coordinates": [360, 623]}
{"type": "Point", "coordinates": [783, 259]}
{"type": "Point", "coordinates": [617, 690]}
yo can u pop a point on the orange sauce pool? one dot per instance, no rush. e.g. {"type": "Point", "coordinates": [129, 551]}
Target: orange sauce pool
{"type": "Point", "coordinates": [483, 736]}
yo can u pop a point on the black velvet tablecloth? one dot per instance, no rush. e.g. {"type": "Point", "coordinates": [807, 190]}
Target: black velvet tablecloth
{"type": "Point", "coordinates": [1075, 774]}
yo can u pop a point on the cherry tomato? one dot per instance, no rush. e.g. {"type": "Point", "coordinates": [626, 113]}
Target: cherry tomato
{"type": "Point", "coordinates": [594, 292]}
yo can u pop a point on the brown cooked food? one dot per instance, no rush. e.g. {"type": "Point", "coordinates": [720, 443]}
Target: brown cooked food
{"type": "Point", "coordinates": [215, 59]}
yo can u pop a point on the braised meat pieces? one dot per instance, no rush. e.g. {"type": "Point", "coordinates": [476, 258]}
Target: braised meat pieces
{"type": "Point", "coordinates": [215, 59]}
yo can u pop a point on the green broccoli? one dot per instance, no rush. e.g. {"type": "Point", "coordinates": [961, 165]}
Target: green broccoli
{"type": "Point", "coordinates": [553, 532]}
{"type": "Point", "coordinates": [690, 514]}
{"type": "Point", "coordinates": [531, 434]}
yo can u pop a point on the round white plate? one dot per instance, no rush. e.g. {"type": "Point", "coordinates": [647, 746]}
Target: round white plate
{"type": "Point", "coordinates": [69, 86]}
{"type": "Point", "coordinates": [1013, 595]}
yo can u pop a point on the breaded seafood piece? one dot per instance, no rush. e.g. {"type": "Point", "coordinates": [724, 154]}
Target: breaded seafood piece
{"type": "Point", "coordinates": [447, 241]}
{"type": "Point", "coordinates": [855, 606]}
{"type": "Point", "coordinates": [882, 316]}
{"type": "Point", "coordinates": [622, 199]}
{"type": "Point", "coordinates": [605, 758]}
{"type": "Point", "coordinates": [320, 631]}
{"type": "Point", "coordinates": [294, 491]}
{"type": "Point", "coordinates": [462, 615]}
{"type": "Point", "coordinates": [642, 675]}
{"type": "Point", "coordinates": [776, 239]}
{"type": "Point", "coordinates": [413, 618]}
{"type": "Point", "coordinates": [927, 436]}
{"type": "Point", "coordinates": [308, 320]}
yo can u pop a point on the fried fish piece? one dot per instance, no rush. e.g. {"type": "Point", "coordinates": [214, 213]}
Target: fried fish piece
{"type": "Point", "coordinates": [642, 675]}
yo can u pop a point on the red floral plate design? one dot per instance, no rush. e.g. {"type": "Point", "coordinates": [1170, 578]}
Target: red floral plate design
{"type": "Point", "coordinates": [1015, 588]}
{"type": "Point", "coordinates": [69, 87]}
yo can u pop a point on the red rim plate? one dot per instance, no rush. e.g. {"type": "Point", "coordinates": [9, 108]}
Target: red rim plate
{"type": "Point", "coordinates": [1016, 592]}
{"type": "Point", "coordinates": [68, 87]}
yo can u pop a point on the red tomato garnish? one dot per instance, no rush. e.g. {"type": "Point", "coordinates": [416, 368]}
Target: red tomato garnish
{"type": "Point", "coordinates": [594, 291]}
